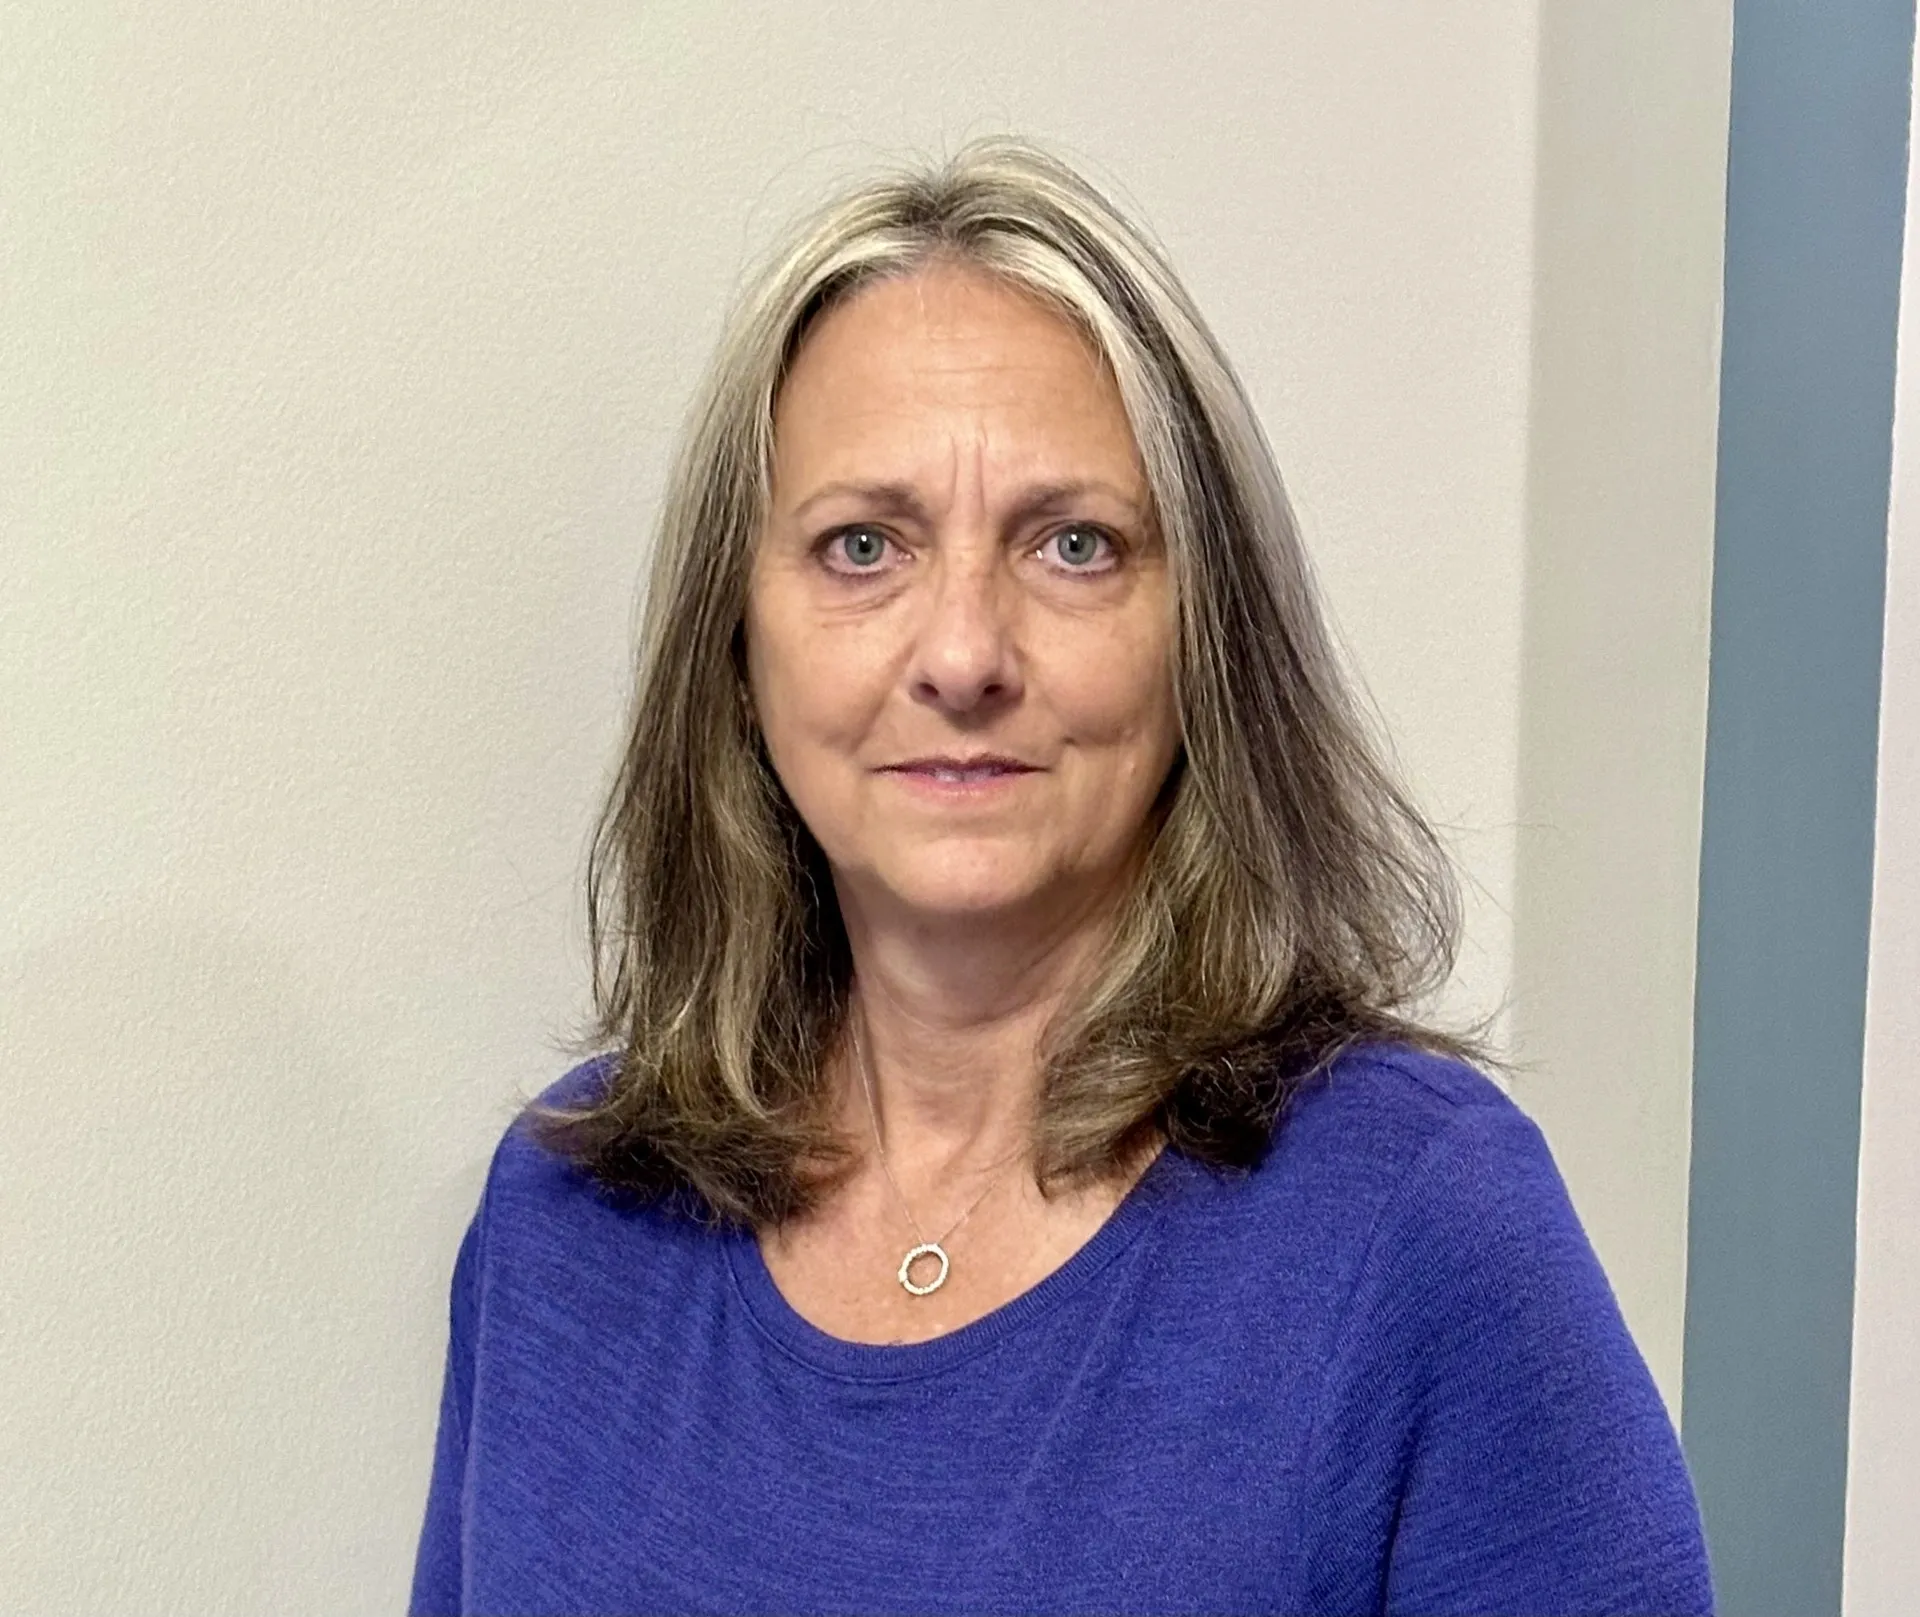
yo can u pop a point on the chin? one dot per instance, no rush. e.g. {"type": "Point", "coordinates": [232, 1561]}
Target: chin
{"type": "Point", "coordinates": [955, 901]}
{"type": "Point", "coordinates": [969, 890]}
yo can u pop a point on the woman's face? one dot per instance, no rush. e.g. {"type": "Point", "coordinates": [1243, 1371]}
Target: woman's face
{"type": "Point", "coordinates": [959, 621]}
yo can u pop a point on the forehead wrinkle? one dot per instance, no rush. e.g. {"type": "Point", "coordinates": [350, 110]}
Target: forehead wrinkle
{"type": "Point", "coordinates": [972, 453]}
{"type": "Point", "coordinates": [976, 403]}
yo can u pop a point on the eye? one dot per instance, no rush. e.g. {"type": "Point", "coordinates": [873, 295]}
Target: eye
{"type": "Point", "coordinates": [1082, 548]}
{"type": "Point", "coordinates": [856, 550]}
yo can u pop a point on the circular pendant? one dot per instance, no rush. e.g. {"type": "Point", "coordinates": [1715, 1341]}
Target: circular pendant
{"type": "Point", "coordinates": [926, 1249]}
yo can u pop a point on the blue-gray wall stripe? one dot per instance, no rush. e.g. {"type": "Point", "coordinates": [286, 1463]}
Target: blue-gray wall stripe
{"type": "Point", "coordinates": [1816, 184]}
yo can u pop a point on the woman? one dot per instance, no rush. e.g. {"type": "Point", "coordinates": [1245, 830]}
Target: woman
{"type": "Point", "coordinates": [1018, 1181]}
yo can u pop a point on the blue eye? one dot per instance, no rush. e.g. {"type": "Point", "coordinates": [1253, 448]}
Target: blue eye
{"type": "Point", "coordinates": [865, 548]}
{"type": "Point", "coordinates": [1080, 547]}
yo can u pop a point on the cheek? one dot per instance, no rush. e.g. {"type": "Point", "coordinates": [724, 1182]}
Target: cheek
{"type": "Point", "coordinates": [813, 701]}
{"type": "Point", "coordinates": [1122, 700]}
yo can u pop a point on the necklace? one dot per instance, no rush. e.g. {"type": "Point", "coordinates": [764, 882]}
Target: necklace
{"type": "Point", "coordinates": [935, 1249]}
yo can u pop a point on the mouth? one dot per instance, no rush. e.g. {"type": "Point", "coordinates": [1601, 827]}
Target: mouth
{"type": "Point", "coordinates": [961, 771]}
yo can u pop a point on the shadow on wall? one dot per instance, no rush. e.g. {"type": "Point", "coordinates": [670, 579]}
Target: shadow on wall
{"type": "Point", "coordinates": [188, 1303]}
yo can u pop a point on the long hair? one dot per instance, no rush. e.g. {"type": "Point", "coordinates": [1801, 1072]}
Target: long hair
{"type": "Point", "coordinates": [1291, 902]}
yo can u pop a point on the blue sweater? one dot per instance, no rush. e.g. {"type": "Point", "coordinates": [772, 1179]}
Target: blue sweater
{"type": "Point", "coordinates": [1382, 1372]}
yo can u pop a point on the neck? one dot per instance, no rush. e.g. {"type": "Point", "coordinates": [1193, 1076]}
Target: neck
{"type": "Point", "coordinates": [950, 1019]}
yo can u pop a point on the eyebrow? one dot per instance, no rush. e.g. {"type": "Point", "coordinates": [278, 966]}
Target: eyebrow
{"type": "Point", "coordinates": [899, 499]}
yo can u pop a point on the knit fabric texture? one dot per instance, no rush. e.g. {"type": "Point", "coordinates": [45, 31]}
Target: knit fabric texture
{"type": "Point", "coordinates": [1381, 1372]}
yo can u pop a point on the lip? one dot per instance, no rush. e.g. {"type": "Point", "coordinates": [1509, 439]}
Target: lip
{"type": "Point", "coordinates": [984, 775]}
{"type": "Point", "coordinates": [983, 762]}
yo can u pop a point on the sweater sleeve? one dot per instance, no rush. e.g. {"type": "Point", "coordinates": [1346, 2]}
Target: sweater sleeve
{"type": "Point", "coordinates": [437, 1565]}
{"type": "Point", "coordinates": [1490, 1440]}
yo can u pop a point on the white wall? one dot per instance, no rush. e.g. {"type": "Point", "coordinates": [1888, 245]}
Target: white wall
{"type": "Point", "coordinates": [1882, 1562]}
{"type": "Point", "coordinates": [1625, 423]}
{"type": "Point", "coordinates": [343, 349]}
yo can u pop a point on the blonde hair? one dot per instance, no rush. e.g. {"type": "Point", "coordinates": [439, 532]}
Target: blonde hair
{"type": "Point", "coordinates": [1291, 902]}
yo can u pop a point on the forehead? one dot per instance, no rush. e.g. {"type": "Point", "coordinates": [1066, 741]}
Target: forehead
{"type": "Point", "coordinates": [912, 367]}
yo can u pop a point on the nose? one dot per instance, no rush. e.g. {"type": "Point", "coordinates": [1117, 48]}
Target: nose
{"type": "Point", "coordinates": [965, 661]}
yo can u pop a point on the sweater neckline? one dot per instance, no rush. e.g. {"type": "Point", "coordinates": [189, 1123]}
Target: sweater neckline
{"type": "Point", "coordinates": [837, 1356]}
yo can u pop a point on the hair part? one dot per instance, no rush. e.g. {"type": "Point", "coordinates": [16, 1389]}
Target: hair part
{"type": "Point", "coordinates": [1292, 901]}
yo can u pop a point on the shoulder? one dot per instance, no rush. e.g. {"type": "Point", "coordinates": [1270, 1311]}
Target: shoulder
{"type": "Point", "coordinates": [531, 1186]}
{"type": "Point", "coordinates": [1439, 1197]}
{"type": "Point", "coordinates": [552, 1250]}
{"type": "Point", "coordinates": [1391, 1162]}
{"type": "Point", "coordinates": [582, 1085]}
{"type": "Point", "coordinates": [1384, 1120]}
{"type": "Point", "coordinates": [519, 1152]}
{"type": "Point", "coordinates": [1416, 1192]}
{"type": "Point", "coordinates": [1482, 1398]}
{"type": "Point", "coordinates": [1402, 1085]}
